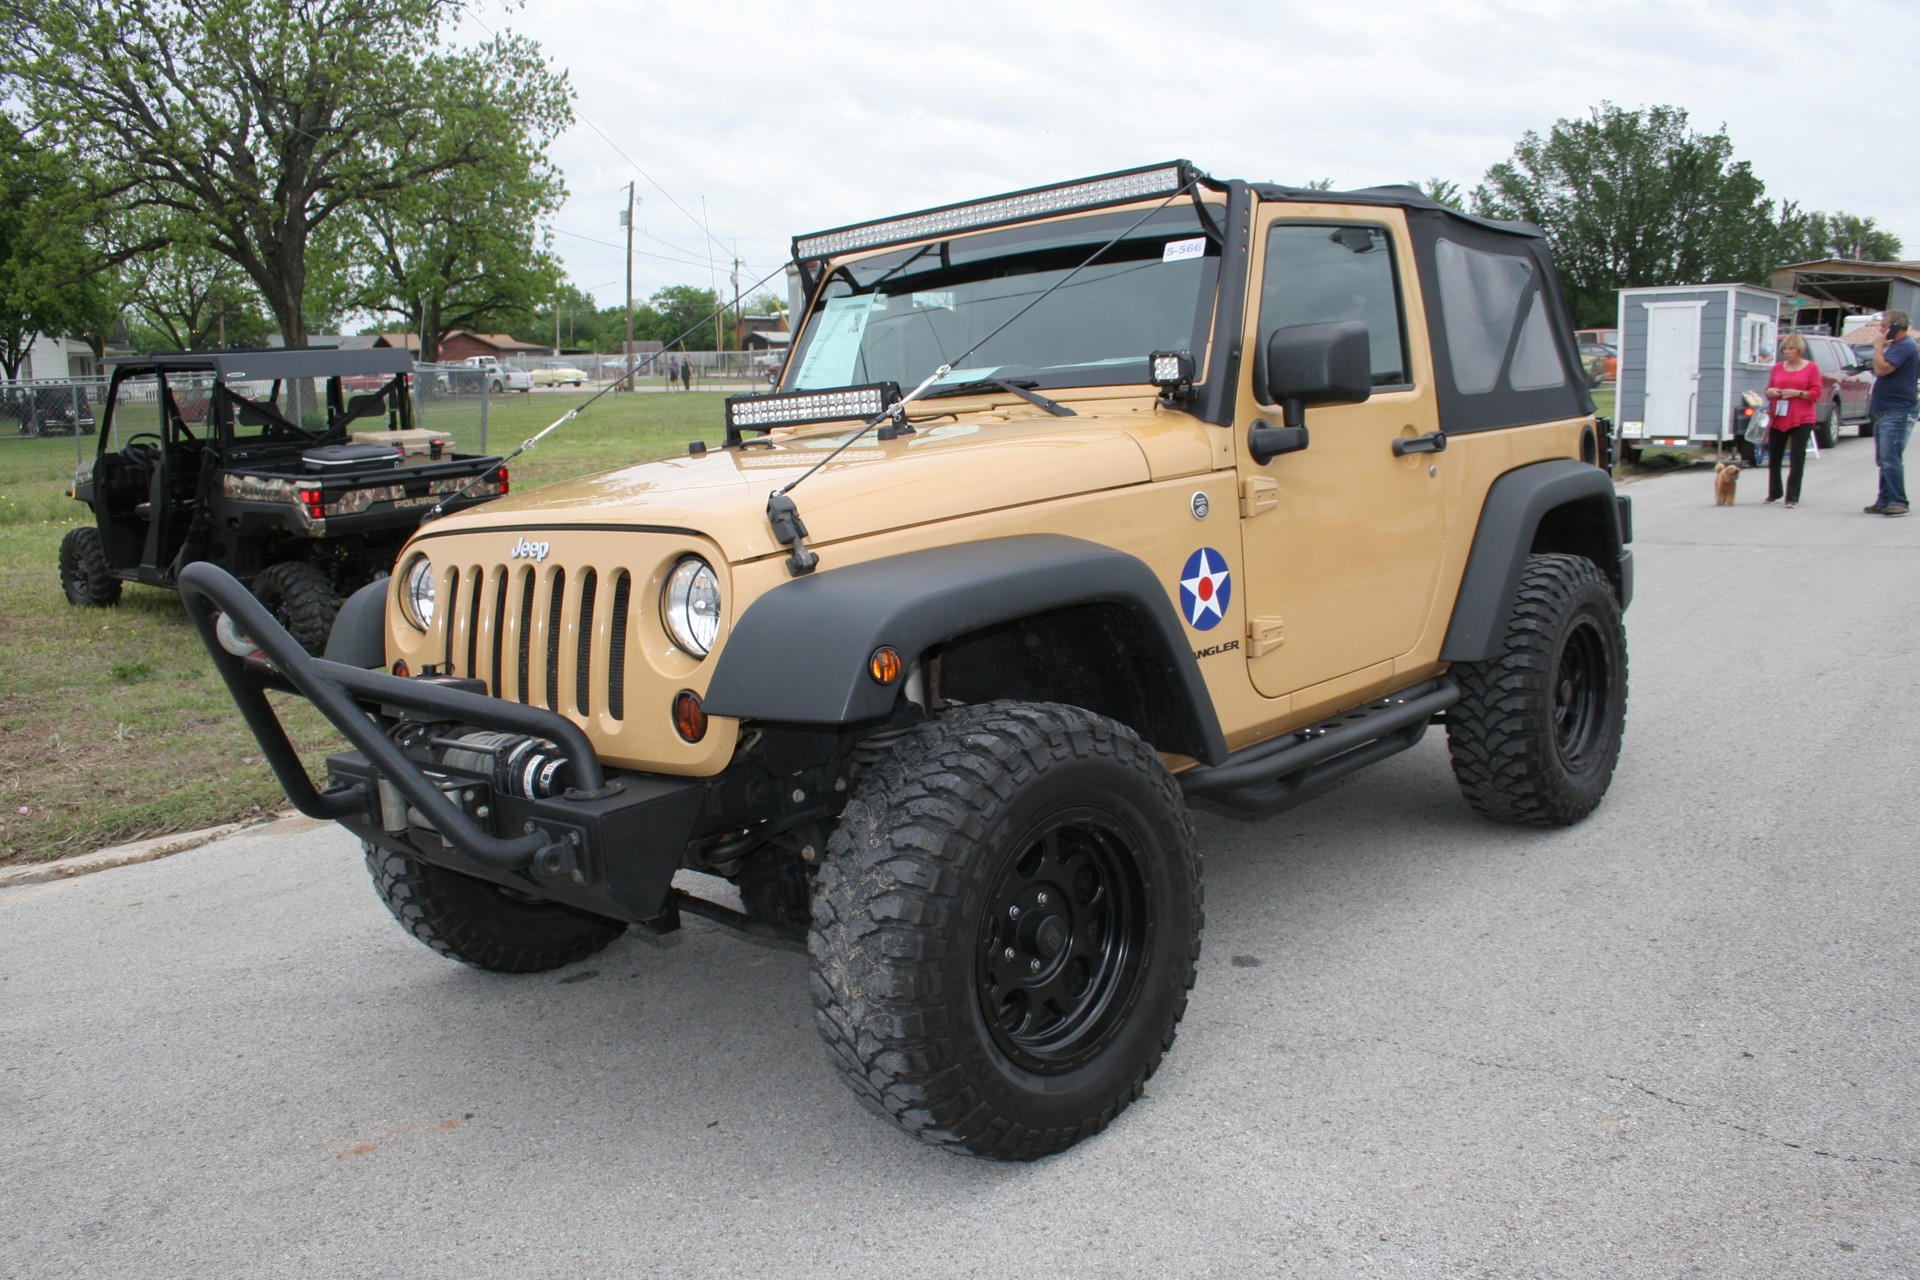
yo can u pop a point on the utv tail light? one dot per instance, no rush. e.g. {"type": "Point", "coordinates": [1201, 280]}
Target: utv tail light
{"type": "Point", "coordinates": [503, 481]}
{"type": "Point", "coordinates": [689, 716]}
{"type": "Point", "coordinates": [314, 502]}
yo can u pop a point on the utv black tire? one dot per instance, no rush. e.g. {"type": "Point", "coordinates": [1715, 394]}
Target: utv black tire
{"type": "Point", "coordinates": [776, 887]}
{"type": "Point", "coordinates": [1536, 733]}
{"type": "Point", "coordinates": [1827, 431]}
{"type": "Point", "coordinates": [301, 599]}
{"type": "Point", "coordinates": [84, 574]}
{"type": "Point", "coordinates": [482, 924]}
{"type": "Point", "coordinates": [1005, 928]}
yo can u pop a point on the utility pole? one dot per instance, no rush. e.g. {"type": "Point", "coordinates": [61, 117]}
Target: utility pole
{"type": "Point", "coordinates": [630, 384]}
{"type": "Point", "coordinates": [739, 317]}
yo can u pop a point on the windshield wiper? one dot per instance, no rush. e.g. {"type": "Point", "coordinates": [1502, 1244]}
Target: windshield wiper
{"type": "Point", "coordinates": [1019, 388]}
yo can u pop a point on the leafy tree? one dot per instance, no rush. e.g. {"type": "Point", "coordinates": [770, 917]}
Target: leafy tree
{"type": "Point", "coordinates": [462, 249]}
{"type": "Point", "coordinates": [764, 304]}
{"type": "Point", "coordinates": [1808, 237]}
{"type": "Point", "coordinates": [265, 121]}
{"type": "Point", "coordinates": [677, 308]}
{"type": "Point", "coordinates": [53, 280]}
{"type": "Point", "coordinates": [1441, 191]}
{"type": "Point", "coordinates": [183, 297]}
{"type": "Point", "coordinates": [1635, 198]}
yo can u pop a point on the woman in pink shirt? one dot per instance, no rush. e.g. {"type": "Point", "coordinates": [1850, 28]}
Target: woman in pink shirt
{"type": "Point", "coordinates": [1792, 389]}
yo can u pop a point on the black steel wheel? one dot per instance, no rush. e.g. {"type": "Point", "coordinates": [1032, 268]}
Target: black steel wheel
{"type": "Point", "coordinates": [480, 923]}
{"type": "Point", "coordinates": [1537, 731]}
{"type": "Point", "coordinates": [301, 599]}
{"type": "Point", "coordinates": [1062, 942]}
{"type": "Point", "coordinates": [1005, 928]}
{"type": "Point", "coordinates": [84, 574]}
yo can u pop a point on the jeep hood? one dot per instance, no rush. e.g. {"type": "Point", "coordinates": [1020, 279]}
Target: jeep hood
{"type": "Point", "coordinates": [942, 471]}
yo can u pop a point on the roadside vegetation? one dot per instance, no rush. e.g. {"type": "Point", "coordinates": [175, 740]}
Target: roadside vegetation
{"type": "Point", "coordinates": [113, 723]}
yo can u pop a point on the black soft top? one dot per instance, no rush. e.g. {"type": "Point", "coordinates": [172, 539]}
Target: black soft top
{"type": "Point", "coordinates": [272, 364]}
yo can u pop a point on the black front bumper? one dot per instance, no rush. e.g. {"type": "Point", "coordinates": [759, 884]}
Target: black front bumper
{"type": "Point", "coordinates": [609, 844]}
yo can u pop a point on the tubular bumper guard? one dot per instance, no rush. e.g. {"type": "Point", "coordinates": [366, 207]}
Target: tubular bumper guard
{"type": "Point", "coordinates": [607, 844]}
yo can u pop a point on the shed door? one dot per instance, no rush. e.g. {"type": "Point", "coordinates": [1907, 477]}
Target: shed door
{"type": "Point", "coordinates": [1673, 370]}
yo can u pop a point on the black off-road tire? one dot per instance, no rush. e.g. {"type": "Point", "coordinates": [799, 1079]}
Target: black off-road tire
{"type": "Point", "coordinates": [1827, 432]}
{"type": "Point", "coordinates": [775, 886]}
{"type": "Point", "coordinates": [84, 574]}
{"type": "Point", "coordinates": [301, 599]}
{"type": "Point", "coordinates": [1536, 733]}
{"type": "Point", "coordinates": [482, 924]}
{"type": "Point", "coordinates": [1055, 811]}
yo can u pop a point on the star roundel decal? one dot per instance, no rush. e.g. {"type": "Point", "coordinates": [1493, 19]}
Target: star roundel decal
{"type": "Point", "coordinates": [1205, 588]}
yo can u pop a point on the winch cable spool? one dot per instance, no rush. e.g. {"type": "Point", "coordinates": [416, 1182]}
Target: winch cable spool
{"type": "Point", "coordinates": [519, 766]}
{"type": "Point", "coordinates": [784, 517]}
{"type": "Point", "coordinates": [638, 368]}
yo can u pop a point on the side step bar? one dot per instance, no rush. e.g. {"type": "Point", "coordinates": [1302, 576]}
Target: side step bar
{"type": "Point", "coordinates": [1272, 775]}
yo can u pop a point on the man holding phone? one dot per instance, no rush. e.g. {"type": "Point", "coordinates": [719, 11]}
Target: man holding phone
{"type": "Point", "coordinates": [1896, 362]}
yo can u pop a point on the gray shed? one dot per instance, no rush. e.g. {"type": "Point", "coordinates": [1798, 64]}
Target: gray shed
{"type": "Point", "coordinates": [1686, 354]}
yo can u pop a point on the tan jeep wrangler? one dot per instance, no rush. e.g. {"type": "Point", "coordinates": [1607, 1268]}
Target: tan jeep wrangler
{"type": "Point", "coordinates": [1070, 506]}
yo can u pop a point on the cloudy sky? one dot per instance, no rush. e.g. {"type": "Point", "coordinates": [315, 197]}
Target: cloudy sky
{"type": "Point", "coordinates": [743, 122]}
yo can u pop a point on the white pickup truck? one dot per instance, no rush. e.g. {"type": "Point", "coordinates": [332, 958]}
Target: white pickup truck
{"type": "Point", "coordinates": [501, 377]}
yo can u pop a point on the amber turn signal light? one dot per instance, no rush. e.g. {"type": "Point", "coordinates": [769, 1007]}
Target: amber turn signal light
{"type": "Point", "coordinates": [689, 717]}
{"type": "Point", "coordinates": [885, 665]}
{"type": "Point", "coordinates": [400, 668]}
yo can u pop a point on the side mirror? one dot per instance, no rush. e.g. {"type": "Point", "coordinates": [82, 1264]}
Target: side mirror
{"type": "Point", "coordinates": [1310, 364]}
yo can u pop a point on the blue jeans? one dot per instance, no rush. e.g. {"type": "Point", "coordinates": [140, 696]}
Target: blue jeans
{"type": "Point", "coordinates": [1890, 432]}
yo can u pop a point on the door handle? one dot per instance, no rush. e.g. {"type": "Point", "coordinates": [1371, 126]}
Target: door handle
{"type": "Point", "coordinates": [1432, 442]}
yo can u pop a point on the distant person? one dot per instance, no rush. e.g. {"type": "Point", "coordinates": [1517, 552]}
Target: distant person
{"type": "Point", "coordinates": [1896, 362]}
{"type": "Point", "coordinates": [673, 373]}
{"type": "Point", "coordinates": [1792, 388]}
{"type": "Point", "coordinates": [686, 375]}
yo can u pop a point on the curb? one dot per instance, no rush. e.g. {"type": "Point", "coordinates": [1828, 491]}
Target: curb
{"type": "Point", "coordinates": [127, 855]}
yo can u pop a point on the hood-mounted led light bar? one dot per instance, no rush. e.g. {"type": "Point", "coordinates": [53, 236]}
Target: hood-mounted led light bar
{"type": "Point", "coordinates": [1089, 193]}
{"type": "Point", "coordinates": [798, 408]}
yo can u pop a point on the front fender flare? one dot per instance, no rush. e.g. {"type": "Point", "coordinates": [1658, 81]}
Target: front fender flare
{"type": "Point", "coordinates": [799, 653]}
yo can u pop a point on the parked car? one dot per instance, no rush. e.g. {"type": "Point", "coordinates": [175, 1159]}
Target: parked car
{"type": "Point", "coordinates": [554, 373]}
{"type": "Point", "coordinates": [1605, 337]}
{"type": "Point", "coordinates": [1846, 384]}
{"type": "Point", "coordinates": [1601, 362]}
{"type": "Point", "coordinates": [501, 377]}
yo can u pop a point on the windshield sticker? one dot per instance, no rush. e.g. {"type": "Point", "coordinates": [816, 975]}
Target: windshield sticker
{"type": "Point", "coordinates": [1179, 249]}
{"type": "Point", "coordinates": [835, 348]}
{"type": "Point", "coordinates": [941, 298]}
{"type": "Point", "coordinates": [1205, 588]}
{"type": "Point", "coordinates": [966, 375]}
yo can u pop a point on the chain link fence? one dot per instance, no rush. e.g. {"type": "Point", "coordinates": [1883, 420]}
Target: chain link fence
{"type": "Point", "coordinates": [455, 398]}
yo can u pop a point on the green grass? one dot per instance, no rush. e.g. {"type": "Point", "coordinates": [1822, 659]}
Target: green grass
{"type": "Point", "coordinates": [113, 723]}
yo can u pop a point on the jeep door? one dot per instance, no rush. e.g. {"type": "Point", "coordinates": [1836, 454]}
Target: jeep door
{"type": "Point", "coordinates": [1343, 539]}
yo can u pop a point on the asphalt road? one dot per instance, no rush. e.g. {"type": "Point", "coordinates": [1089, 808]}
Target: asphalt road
{"type": "Point", "coordinates": [1679, 1039]}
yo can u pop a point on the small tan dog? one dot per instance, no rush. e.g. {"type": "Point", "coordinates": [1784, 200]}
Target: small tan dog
{"type": "Point", "coordinates": [1726, 476]}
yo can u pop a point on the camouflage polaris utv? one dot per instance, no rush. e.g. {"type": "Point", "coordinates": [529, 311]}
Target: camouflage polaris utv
{"type": "Point", "coordinates": [299, 472]}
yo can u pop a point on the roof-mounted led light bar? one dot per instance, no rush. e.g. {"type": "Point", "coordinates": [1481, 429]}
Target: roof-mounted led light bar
{"type": "Point", "coordinates": [798, 408]}
{"type": "Point", "coordinates": [1089, 193]}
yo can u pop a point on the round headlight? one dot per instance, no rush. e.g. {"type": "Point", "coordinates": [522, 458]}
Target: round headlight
{"type": "Point", "coordinates": [416, 592]}
{"type": "Point", "coordinates": [690, 606]}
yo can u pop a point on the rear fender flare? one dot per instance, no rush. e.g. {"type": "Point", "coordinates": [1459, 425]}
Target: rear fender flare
{"type": "Point", "coordinates": [1510, 523]}
{"type": "Point", "coordinates": [799, 653]}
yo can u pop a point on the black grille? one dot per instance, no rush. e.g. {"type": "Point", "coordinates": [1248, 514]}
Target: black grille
{"type": "Point", "coordinates": [583, 651]}
{"type": "Point", "coordinates": [617, 647]}
{"type": "Point", "coordinates": [479, 597]}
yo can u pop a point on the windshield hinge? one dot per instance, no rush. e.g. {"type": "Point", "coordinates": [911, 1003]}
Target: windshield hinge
{"type": "Point", "coordinates": [791, 530]}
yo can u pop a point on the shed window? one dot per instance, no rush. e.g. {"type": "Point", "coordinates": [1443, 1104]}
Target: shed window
{"type": "Point", "coordinates": [1757, 339]}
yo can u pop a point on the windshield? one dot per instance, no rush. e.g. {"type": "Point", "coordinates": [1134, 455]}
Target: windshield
{"type": "Point", "coordinates": [896, 317]}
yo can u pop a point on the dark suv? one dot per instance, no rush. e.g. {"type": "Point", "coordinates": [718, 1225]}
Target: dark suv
{"type": "Point", "coordinates": [1845, 386]}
